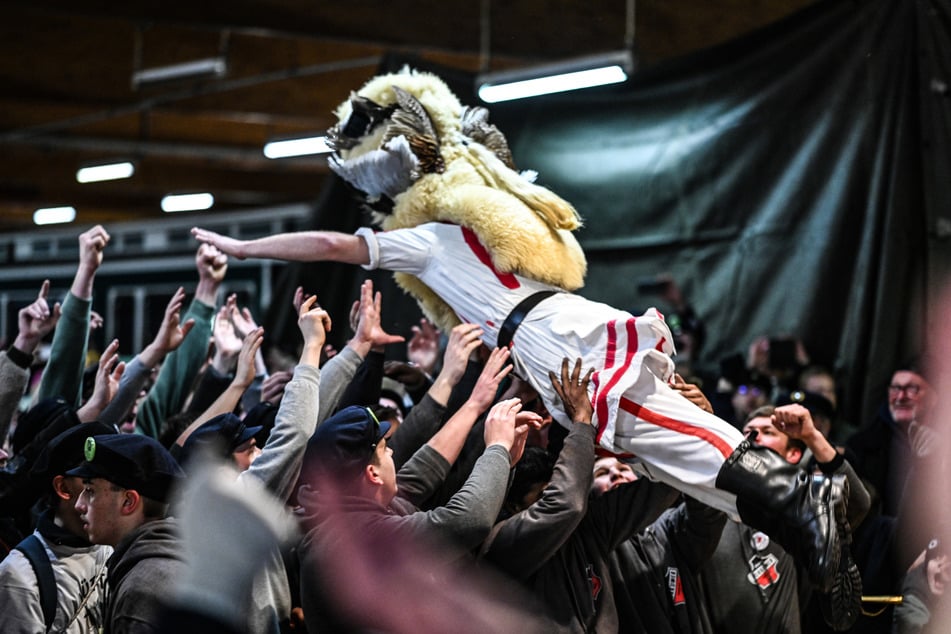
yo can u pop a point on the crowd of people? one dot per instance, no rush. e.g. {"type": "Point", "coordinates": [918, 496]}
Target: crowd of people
{"type": "Point", "coordinates": [194, 488]}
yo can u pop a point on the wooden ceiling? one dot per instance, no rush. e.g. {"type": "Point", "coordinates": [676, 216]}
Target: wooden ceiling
{"type": "Point", "coordinates": [67, 100]}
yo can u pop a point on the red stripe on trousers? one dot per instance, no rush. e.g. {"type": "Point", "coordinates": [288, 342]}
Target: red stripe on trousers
{"type": "Point", "coordinates": [678, 426]}
{"type": "Point", "coordinates": [602, 405]}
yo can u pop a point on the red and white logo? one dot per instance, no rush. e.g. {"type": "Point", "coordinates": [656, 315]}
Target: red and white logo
{"type": "Point", "coordinates": [764, 572]}
{"type": "Point", "coordinates": [675, 587]}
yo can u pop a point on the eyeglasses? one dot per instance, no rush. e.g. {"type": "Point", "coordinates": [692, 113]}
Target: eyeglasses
{"type": "Point", "coordinates": [911, 389]}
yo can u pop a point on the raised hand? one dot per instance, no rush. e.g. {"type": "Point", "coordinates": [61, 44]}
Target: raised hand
{"type": "Point", "coordinates": [241, 318]}
{"type": "Point", "coordinates": [573, 391]}
{"type": "Point", "coordinates": [107, 383]}
{"type": "Point", "coordinates": [369, 331]}
{"type": "Point", "coordinates": [423, 346]}
{"type": "Point", "coordinates": [245, 372]}
{"type": "Point", "coordinates": [272, 388]}
{"type": "Point", "coordinates": [464, 339]}
{"type": "Point", "coordinates": [36, 321]}
{"type": "Point", "coordinates": [211, 262]}
{"type": "Point", "coordinates": [171, 332]}
{"type": "Point", "coordinates": [487, 385]}
{"type": "Point", "coordinates": [95, 320]}
{"type": "Point", "coordinates": [91, 245]}
{"type": "Point", "coordinates": [314, 324]}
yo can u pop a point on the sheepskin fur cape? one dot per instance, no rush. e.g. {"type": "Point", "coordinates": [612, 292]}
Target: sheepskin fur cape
{"type": "Point", "coordinates": [525, 228]}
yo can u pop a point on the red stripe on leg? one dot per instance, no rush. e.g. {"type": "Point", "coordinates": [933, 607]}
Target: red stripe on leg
{"type": "Point", "coordinates": [678, 426]}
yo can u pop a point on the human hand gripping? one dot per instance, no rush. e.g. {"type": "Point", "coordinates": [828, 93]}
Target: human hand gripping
{"type": "Point", "coordinates": [691, 392]}
{"type": "Point", "coordinates": [573, 391]}
{"type": "Point", "coordinates": [107, 383]}
{"type": "Point", "coordinates": [423, 346]}
{"type": "Point", "coordinates": [500, 424]}
{"type": "Point", "coordinates": [314, 324]}
{"type": "Point", "coordinates": [212, 265]}
{"type": "Point", "coordinates": [36, 321]}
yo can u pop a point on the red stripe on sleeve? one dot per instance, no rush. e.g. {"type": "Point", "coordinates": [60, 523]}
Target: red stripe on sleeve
{"type": "Point", "coordinates": [507, 279]}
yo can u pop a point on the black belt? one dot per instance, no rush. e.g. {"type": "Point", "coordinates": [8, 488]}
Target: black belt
{"type": "Point", "coordinates": [514, 320]}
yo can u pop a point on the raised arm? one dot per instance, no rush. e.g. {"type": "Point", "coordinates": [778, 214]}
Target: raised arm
{"type": "Point", "coordinates": [169, 337]}
{"type": "Point", "coordinates": [63, 375]}
{"type": "Point", "coordinates": [304, 246]}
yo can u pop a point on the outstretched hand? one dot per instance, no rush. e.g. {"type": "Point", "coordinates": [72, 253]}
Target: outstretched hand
{"type": "Point", "coordinates": [423, 346]}
{"type": "Point", "coordinates": [229, 246]}
{"type": "Point", "coordinates": [369, 330]}
{"type": "Point", "coordinates": [573, 391]}
{"type": "Point", "coordinates": [463, 340]}
{"type": "Point", "coordinates": [487, 385]}
{"type": "Point", "coordinates": [171, 332]}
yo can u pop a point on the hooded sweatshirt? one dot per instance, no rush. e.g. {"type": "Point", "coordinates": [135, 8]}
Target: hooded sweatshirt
{"type": "Point", "coordinates": [143, 572]}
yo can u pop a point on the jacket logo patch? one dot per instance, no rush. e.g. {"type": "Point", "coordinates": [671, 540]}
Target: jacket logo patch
{"type": "Point", "coordinates": [764, 572]}
{"type": "Point", "coordinates": [675, 587]}
{"type": "Point", "coordinates": [752, 463]}
{"type": "Point", "coordinates": [595, 582]}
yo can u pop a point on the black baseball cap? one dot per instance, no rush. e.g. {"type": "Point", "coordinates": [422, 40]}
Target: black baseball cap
{"type": "Point", "coordinates": [65, 451]}
{"type": "Point", "coordinates": [344, 443]}
{"type": "Point", "coordinates": [131, 461]}
{"type": "Point", "coordinates": [225, 432]}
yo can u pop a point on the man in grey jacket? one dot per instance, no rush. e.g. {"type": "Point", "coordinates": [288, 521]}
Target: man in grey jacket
{"type": "Point", "coordinates": [127, 482]}
{"type": "Point", "coordinates": [353, 490]}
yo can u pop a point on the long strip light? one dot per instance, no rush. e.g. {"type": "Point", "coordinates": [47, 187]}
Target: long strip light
{"type": "Point", "coordinates": [296, 147]}
{"type": "Point", "coordinates": [208, 67]}
{"type": "Point", "coordinates": [54, 215]}
{"type": "Point", "coordinates": [574, 74]}
{"type": "Point", "coordinates": [105, 172]}
{"type": "Point", "coordinates": [187, 202]}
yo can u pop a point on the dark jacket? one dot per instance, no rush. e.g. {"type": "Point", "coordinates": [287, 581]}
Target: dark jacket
{"type": "Point", "coordinates": [881, 455]}
{"type": "Point", "coordinates": [560, 546]}
{"type": "Point", "coordinates": [655, 573]}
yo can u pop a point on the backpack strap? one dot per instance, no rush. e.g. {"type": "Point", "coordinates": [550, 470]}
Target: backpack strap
{"type": "Point", "coordinates": [32, 548]}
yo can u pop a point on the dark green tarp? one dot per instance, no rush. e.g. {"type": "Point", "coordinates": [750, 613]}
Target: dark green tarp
{"type": "Point", "coordinates": [794, 181]}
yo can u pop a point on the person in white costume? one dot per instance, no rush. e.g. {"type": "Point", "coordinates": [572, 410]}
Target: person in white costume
{"type": "Point", "coordinates": [462, 230]}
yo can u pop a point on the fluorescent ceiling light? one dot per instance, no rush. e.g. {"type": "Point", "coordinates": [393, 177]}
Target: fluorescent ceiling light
{"type": "Point", "coordinates": [187, 202]}
{"type": "Point", "coordinates": [574, 74]}
{"type": "Point", "coordinates": [54, 215]}
{"type": "Point", "coordinates": [208, 67]}
{"type": "Point", "coordinates": [105, 172]}
{"type": "Point", "coordinates": [296, 147]}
